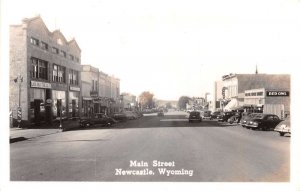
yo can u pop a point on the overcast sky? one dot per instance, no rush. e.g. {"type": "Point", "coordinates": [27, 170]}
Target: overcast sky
{"type": "Point", "coordinates": [173, 48]}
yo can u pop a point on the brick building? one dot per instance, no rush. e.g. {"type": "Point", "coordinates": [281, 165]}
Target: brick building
{"type": "Point", "coordinates": [49, 67]}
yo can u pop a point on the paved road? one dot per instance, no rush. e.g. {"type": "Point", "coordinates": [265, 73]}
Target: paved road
{"type": "Point", "coordinates": [203, 152]}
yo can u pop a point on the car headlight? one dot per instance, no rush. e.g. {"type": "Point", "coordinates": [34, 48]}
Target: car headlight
{"type": "Point", "coordinates": [255, 123]}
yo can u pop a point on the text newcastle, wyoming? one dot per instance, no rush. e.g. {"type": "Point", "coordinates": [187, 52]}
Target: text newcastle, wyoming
{"type": "Point", "coordinates": [162, 168]}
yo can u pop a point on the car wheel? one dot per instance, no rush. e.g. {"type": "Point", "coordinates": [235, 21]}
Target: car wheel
{"type": "Point", "coordinates": [281, 133]}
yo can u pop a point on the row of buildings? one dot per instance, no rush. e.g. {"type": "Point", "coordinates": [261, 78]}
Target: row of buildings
{"type": "Point", "coordinates": [264, 93]}
{"type": "Point", "coordinates": [48, 81]}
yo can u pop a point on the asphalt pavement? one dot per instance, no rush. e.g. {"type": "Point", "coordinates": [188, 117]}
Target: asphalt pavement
{"type": "Point", "coordinates": [155, 149]}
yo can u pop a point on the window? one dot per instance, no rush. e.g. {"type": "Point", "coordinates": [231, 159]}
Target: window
{"type": "Point", "coordinates": [44, 45]}
{"type": "Point", "coordinates": [71, 57]}
{"type": "Point", "coordinates": [43, 69]}
{"type": "Point", "coordinates": [259, 93]}
{"type": "Point", "coordinates": [39, 69]}
{"type": "Point", "coordinates": [55, 50]}
{"type": "Point", "coordinates": [63, 53]}
{"type": "Point", "coordinates": [59, 73]}
{"type": "Point", "coordinates": [77, 59]}
{"type": "Point", "coordinates": [73, 77]}
{"type": "Point", "coordinates": [253, 94]}
{"type": "Point", "coordinates": [34, 41]}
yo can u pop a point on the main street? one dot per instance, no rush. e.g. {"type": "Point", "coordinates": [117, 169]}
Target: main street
{"type": "Point", "coordinates": [153, 148]}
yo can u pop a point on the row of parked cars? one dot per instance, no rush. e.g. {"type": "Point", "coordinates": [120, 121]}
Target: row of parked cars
{"type": "Point", "coordinates": [256, 121]}
{"type": "Point", "coordinates": [105, 120]}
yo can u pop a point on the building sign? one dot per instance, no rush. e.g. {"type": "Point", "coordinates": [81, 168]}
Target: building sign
{"type": "Point", "coordinates": [94, 94]}
{"type": "Point", "coordinates": [278, 93]}
{"type": "Point", "coordinates": [72, 88]}
{"type": "Point", "coordinates": [35, 84]}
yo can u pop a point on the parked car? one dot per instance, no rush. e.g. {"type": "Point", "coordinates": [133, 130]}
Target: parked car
{"type": "Point", "coordinates": [246, 117]}
{"type": "Point", "coordinates": [264, 122]}
{"type": "Point", "coordinates": [205, 114]}
{"type": "Point", "coordinates": [214, 115]}
{"type": "Point", "coordinates": [97, 118]}
{"type": "Point", "coordinates": [119, 116]}
{"type": "Point", "coordinates": [195, 116]}
{"type": "Point", "coordinates": [130, 115]}
{"type": "Point", "coordinates": [283, 127]}
{"type": "Point", "coordinates": [160, 113]}
{"type": "Point", "coordinates": [224, 116]}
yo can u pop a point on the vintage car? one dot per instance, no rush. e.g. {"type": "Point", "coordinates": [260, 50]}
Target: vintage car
{"type": "Point", "coordinates": [263, 122]}
{"type": "Point", "coordinates": [224, 116]}
{"type": "Point", "coordinates": [195, 116]}
{"type": "Point", "coordinates": [283, 127]}
{"type": "Point", "coordinates": [214, 115]}
{"type": "Point", "coordinates": [160, 113]}
{"type": "Point", "coordinates": [96, 119]}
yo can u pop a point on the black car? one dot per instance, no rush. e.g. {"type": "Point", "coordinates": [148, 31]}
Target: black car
{"type": "Point", "coordinates": [264, 122]}
{"type": "Point", "coordinates": [97, 118]}
{"type": "Point", "coordinates": [195, 116]}
{"type": "Point", "coordinates": [224, 116]}
{"type": "Point", "coordinates": [214, 115]}
{"type": "Point", "coordinates": [246, 117]}
{"type": "Point", "coordinates": [161, 113]}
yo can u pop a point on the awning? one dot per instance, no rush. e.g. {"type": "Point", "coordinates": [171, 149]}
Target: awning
{"type": "Point", "coordinates": [86, 98]}
{"type": "Point", "coordinates": [231, 105]}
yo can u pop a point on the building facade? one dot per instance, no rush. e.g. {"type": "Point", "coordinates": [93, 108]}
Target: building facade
{"type": "Point", "coordinates": [101, 91]}
{"type": "Point", "coordinates": [251, 91]}
{"type": "Point", "coordinates": [49, 68]}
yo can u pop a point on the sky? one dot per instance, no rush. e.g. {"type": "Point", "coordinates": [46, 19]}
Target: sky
{"type": "Point", "coordinates": [173, 48]}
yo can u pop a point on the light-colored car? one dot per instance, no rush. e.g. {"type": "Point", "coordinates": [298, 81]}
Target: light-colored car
{"type": "Point", "coordinates": [283, 127]}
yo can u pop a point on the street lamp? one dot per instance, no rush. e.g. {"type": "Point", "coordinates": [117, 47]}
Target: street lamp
{"type": "Point", "coordinates": [19, 80]}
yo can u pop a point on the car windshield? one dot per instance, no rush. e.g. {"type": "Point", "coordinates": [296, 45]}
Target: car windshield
{"type": "Point", "coordinates": [257, 116]}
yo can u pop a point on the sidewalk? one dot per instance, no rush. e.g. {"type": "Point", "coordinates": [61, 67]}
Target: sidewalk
{"type": "Point", "coordinates": [21, 134]}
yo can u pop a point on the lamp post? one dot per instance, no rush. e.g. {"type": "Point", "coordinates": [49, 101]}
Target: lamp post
{"type": "Point", "coordinates": [19, 80]}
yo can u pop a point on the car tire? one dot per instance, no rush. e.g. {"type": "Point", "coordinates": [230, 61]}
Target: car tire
{"type": "Point", "coordinates": [281, 134]}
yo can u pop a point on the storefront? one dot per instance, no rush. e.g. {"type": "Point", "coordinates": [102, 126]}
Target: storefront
{"type": "Point", "coordinates": [74, 94]}
{"type": "Point", "coordinates": [59, 102]}
{"type": "Point", "coordinates": [39, 111]}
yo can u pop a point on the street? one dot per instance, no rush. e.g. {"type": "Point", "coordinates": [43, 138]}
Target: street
{"type": "Point", "coordinates": [154, 148]}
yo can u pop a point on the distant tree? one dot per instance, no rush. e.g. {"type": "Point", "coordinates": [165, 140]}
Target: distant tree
{"type": "Point", "coordinates": [183, 100]}
{"type": "Point", "coordinates": [146, 100]}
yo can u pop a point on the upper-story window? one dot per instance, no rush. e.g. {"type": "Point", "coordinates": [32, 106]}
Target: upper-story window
{"type": "Point", "coordinates": [71, 57]}
{"type": "Point", "coordinates": [44, 45]}
{"type": "Point", "coordinates": [58, 74]}
{"type": "Point", "coordinates": [77, 59]}
{"type": "Point", "coordinates": [73, 77]}
{"type": "Point", "coordinates": [34, 41]}
{"type": "Point", "coordinates": [63, 53]}
{"type": "Point", "coordinates": [55, 50]}
{"type": "Point", "coordinates": [39, 69]}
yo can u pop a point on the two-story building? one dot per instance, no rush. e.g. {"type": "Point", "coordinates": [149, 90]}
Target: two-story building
{"type": "Point", "coordinates": [44, 73]}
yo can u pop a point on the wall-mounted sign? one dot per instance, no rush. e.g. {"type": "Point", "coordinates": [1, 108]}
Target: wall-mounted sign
{"type": "Point", "coordinates": [72, 88]}
{"type": "Point", "coordinates": [93, 93]}
{"type": "Point", "coordinates": [278, 93]}
{"type": "Point", "coordinates": [35, 84]}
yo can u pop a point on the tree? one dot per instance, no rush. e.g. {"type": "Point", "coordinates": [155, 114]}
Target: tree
{"type": "Point", "coordinates": [146, 100]}
{"type": "Point", "coordinates": [183, 100]}
{"type": "Point", "coordinates": [168, 105]}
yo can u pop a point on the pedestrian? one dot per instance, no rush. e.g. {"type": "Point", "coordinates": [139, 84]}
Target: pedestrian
{"type": "Point", "coordinates": [239, 117]}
